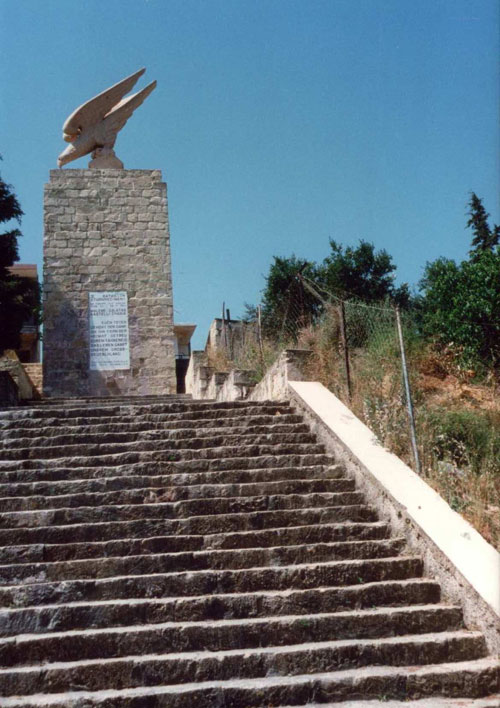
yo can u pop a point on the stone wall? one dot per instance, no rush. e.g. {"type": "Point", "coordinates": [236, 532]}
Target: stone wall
{"type": "Point", "coordinates": [107, 230]}
{"type": "Point", "coordinates": [203, 382]}
{"type": "Point", "coordinates": [231, 336]}
{"type": "Point", "coordinates": [289, 366]}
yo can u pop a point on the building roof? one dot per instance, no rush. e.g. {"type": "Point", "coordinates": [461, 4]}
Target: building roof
{"type": "Point", "coordinates": [24, 270]}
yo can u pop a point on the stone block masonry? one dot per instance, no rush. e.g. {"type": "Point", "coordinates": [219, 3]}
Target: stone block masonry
{"type": "Point", "coordinates": [107, 231]}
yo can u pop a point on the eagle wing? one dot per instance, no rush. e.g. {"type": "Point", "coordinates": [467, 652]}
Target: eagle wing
{"type": "Point", "coordinates": [119, 115]}
{"type": "Point", "coordinates": [94, 110]}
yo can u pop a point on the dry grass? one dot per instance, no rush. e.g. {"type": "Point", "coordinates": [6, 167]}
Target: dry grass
{"type": "Point", "coordinates": [458, 421]}
{"type": "Point", "coordinates": [219, 360]}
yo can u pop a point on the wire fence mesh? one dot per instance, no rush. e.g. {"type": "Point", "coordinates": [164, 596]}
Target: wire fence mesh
{"type": "Point", "coordinates": [358, 355]}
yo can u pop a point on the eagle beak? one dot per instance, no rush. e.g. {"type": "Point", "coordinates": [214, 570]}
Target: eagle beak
{"type": "Point", "coordinates": [67, 155]}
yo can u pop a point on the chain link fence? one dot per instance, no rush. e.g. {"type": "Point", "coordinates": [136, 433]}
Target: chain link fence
{"type": "Point", "coordinates": [360, 354]}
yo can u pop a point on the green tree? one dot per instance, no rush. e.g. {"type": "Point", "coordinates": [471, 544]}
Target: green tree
{"type": "Point", "coordinates": [19, 297]}
{"type": "Point", "coordinates": [461, 302]}
{"type": "Point", "coordinates": [362, 273]}
{"type": "Point", "coordinates": [286, 304]}
{"type": "Point", "coordinates": [485, 237]}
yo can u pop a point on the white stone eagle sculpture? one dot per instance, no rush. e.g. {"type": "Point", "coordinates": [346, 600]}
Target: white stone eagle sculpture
{"type": "Point", "coordinates": [93, 127]}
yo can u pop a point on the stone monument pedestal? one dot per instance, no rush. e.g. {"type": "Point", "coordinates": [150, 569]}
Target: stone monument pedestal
{"type": "Point", "coordinates": [108, 314]}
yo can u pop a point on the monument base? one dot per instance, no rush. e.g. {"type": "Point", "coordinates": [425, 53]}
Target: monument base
{"type": "Point", "coordinates": [107, 247]}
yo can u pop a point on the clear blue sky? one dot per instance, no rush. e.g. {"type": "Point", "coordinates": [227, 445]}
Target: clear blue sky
{"type": "Point", "coordinates": [278, 124]}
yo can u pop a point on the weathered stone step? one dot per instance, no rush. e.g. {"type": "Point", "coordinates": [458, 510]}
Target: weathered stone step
{"type": "Point", "coordinates": [226, 444]}
{"type": "Point", "coordinates": [222, 523]}
{"type": "Point", "coordinates": [187, 449]}
{"type": "Point", "coordinates": [205, 582]}
{"type": "Point", "coordinates": [221, 635]}
{"type": "Point", "coordinates": [148, 465]}
{"type": "Point", "coordinates": [434, 702]}
{"type": "Point", "coordinates": [146, 432]}
{"type": "Point", "coordinates": [184, 667]}
{"type": "Point", "coordinates": [469, 679]}
{"type": "Point", "coordinates": [215, 506]}
{"type": "Point", "coordinates": [193, 409]}
{"type": "Point", "coordinates": [170, 492]}
{"type": "Point", "coordinates": [148, 421]}
{"type": "Point", "coordinates": [292, 535]}
{"type": "Point", "coordinates": [93, 400]}
{"type": "Point", "coordinates": [178, 404]}
{"type": "Point", "coordinates": [199, 484]}
{"type": "Point", "coordinates": [116, 613]}
{"type": "Point", "coordinates": [165, 454]}
{"type": "Point", "coordinates": [123, 424]}
{"type": "Point", "coordinates": [146, 564]}
{"type": "Point", "coordinates": [51, 427]}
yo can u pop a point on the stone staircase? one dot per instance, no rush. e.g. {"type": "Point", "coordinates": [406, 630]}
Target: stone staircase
{"type": "Point", "coordinates": [167, 552]}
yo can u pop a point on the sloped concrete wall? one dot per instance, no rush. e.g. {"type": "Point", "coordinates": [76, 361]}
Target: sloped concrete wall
{"type": "Point", "coordinates": [467, 567]}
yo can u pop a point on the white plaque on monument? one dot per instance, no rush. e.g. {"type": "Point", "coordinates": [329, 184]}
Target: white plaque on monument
{"type": "Point", "coordinates": [108, 327]}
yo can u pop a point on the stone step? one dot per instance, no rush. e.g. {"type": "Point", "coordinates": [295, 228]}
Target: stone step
{"type": "Point", "coordinates": [147, 421]}
{"type": "Point", "coordinates": [148, 465]}
{"type": "Point", "coordinates": [172, 493]}
{"type": "Point", "coordinates": [147, 544]}
{"type": "Point", "coordinates": [199, 484]}
{"type": "Point", "coordinates": [178, 668]}
{"type": "Point", "coordinates": [181, 402]}
{"type": "Point", "coordinates": [219, 635]}
{"type": "Point", "coordinates": [178, 409]}
{"type": "Point", "coordinates": [186, 448]}
{"type": "Point", "coordinates": [434, 702]}
{"type": "Point", "coordinates": [232, 457]}
{"type": "Point", "coordinates": [145, 431]}
{"type": "Point", "coordinates": [190, 472]}
{"type": "Point", "coordinates": [205, 582]}
{"type": "Point", "coordinates": [292, 535]}
{"type": "Point", "coordinates": [222, 523]}
{"type": "Point", "coordinates": [54, 427]}
{"type": "Point", "coordinates": [119, 613]}
{"type": "Point", "coordinates": [93, 400]}
{"type": "Point", "coordinates": [469, 679]}
{"type": "Point", "coordinates": [146, 564]}
{"type": "Point", "coordinates": [175, 510]}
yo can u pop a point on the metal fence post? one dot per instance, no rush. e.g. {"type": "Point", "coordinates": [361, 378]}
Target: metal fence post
{"type": "Point", "coordinates": [343, 337]}
{"type": "Point", "coordinates": [224, 332]}
{"type": "Point", "coordinates": [259, 336]}
{"type": "Point", "coordinates": [409, 403]}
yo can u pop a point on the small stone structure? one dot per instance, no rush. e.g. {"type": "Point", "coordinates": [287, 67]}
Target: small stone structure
{"type": "Point", "coordinates": [10, 363]}
{"type": "Point", "coordinates": [203, 382]}
{"type": "Point", "coordinates": [106, 231]}
{"type": "Point", "coordinates": [230, 336]}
